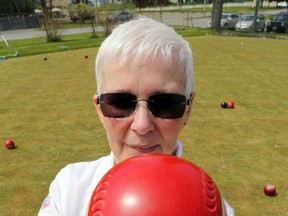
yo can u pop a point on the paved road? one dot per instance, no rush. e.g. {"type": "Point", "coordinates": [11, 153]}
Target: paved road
{"type": "Point", "coordinates": [195, 19]}
{"type": "Point", "coordinates": [190, 19]}
{"type": "Point", "coordinates": [32, 33]}
{"type": "Point", "coordinates": [185, 19]}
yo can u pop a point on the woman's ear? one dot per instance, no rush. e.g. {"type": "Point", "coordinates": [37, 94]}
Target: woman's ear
{"type": "Point", "coordinates": [192, 98]}
{"type": "Point", "coordinates": [189, 109]}
{"type": "Point", "coordinates": [98, 108]}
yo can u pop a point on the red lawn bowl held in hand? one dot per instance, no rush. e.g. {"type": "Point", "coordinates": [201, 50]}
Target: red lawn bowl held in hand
{"type": "Point", "coordinates": [156, 185]}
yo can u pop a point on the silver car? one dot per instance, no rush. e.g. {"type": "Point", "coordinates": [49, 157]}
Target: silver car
{"type": "Point", "coordinates": [121, 16]}
{"type": "Point", "coordinates": [246, 23]}
{"type": "Point", "coordinates": [229, 20]}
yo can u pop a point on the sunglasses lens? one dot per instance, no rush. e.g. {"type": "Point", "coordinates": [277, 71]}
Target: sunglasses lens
{"type": "Point", "coordinates": [117, 105]}
{"type": "Point", "coordinates": [121, 105]}
{"type": "Point", "coordinates": [167, 106]}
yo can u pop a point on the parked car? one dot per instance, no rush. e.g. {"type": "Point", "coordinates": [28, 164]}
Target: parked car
{"type": "Point", "coordinates": [282, 4]}
{"type": "Point", "coordinates": [278, 23]}
{"type": "Point", "coordinates": [246, 23]}
{"type": "Point", "coordinates": [229, 20]}
{"type": "Point", "coordinates": [121, 16]}
{"type": "Point", "coordinates": [85, 17]}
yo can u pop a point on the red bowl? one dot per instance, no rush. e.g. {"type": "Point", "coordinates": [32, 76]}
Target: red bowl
{"type": "Point", "coordinates": [156, 185]}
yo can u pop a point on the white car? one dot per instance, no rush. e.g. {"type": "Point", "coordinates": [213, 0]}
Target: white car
{"type": "Point", "coordinates": [246, 23]}
{"type": "Point", "coordinates": [228, 21]}
{"type": "Point", "coordinates": [282, 4]}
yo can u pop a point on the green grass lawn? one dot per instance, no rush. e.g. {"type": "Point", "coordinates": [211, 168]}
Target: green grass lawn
{"type": "Point", "coordinates": [33, 46]}
{"type": "Point", "coordinates": [46, 108]}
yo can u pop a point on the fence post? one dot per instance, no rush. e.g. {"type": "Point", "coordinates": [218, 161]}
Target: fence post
{"type": "Point", "coordinates": [9, 21]}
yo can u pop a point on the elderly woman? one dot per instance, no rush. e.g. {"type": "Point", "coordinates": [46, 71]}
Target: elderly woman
{"type": "Point", "coordinates": [144, 74]}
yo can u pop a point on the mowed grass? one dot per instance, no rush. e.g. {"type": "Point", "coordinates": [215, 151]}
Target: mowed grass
{"type": "Point", "coordinates": [46, 108]}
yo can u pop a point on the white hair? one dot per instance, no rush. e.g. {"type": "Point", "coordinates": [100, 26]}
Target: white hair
{"type": "Point", "coordinates": [142, 39]}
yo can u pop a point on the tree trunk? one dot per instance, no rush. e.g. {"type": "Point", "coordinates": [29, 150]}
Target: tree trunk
{"type": "Point", "coordinates": [254, 26]}
{"type": "Point", "coordinates": [216, 14]}
{"type": "Point", "coordinates": [50, 6]}
{"type": "Point", "coordinates": [44, 7]}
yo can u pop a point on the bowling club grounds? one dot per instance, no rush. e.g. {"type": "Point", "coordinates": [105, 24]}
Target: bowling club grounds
{"type": "Point", "coordinates": [46, 108]}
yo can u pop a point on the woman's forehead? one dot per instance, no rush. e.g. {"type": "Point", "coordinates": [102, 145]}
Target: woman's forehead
{"type": "Point", "coordinates": [156, 77]}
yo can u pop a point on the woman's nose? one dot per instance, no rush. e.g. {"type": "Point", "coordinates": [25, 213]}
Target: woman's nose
{"type": "Point", "coordinates": [142, 119]}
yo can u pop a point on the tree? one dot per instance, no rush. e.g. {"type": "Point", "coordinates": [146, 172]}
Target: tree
{"type": "Point", "coordinates": [16, 7]}
{"type": "Point", "coordinates": [84, 10]}
{"type": "Point", "coordinates": [147, 3]}
{"type": "Point", "coordinates": [44, 7]}
{"type": "Point", "coordinates": [51, 25]}
{"type": "Point", "coordinates": [106, 12]}
{"type": "Point", "coordinates": [216, 14]}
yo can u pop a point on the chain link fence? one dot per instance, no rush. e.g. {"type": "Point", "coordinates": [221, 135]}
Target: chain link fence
{"type": "Point", "coordinates": [17, 22]}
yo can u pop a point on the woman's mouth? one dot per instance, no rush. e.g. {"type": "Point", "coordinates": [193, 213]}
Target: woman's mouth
{"type": "Point", "coordinates": [143, 148]}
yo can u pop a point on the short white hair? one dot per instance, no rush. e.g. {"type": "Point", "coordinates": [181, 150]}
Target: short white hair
{"type": "Point", "coordinates": [142, 39]}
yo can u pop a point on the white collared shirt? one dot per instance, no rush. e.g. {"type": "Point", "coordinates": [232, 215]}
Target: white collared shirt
{"type": "Point", "coordinates": [72, 188]}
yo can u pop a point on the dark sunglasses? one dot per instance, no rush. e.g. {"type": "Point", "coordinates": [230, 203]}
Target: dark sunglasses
{"type": "Point", "coordinates": [164, 105]}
